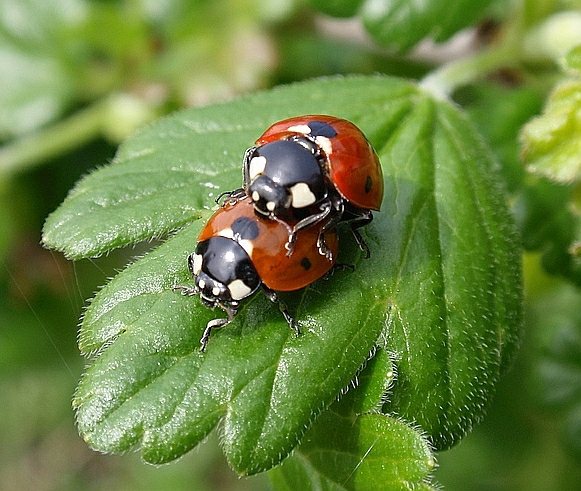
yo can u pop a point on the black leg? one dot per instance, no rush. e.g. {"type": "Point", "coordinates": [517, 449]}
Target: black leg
{"type": "Point", "coordinates": [231, 311]}
{"type": "Point", "coordinates": [330, 214]}
{"type": "Point", "coordinates": [232, 197]}
{"type": "Point", "coordinates": [356, 223]}
{"type": "Point", "coordinates": [273, 297]}
{"type": "Point", "coordinates": [246, 165]}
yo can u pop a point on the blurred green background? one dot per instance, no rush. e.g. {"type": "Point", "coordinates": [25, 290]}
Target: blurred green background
{"type": "Point", "coordinates": [78, 76]}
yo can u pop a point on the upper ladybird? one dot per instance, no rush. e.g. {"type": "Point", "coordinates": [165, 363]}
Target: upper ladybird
{"type": "Point", "coordinates": [314, 169]}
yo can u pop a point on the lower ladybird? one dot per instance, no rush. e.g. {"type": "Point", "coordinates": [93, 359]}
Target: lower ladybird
{"type": "Point", "coordinates": [238, 253]}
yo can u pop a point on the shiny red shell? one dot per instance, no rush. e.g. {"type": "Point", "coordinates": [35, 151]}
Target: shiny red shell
{"type": "Point", "coordinates": [267, 251]}
{"type": "Point", "coordinates": [352, 164]}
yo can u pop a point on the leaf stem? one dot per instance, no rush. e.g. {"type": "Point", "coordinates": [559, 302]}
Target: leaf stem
{"type": "Point", "coordinates": [48, 142]}
{"type": "Point", "coordinates": [445, 79]}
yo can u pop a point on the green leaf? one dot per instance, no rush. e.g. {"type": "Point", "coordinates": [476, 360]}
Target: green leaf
{"type": "Point", "coordinates": [453, 272]}
{"type": "Point", "coordinates": [372, 452]}
{"type": "Point", "coordinates": [442, 287]}
{"type": "Point", "coordinates": [370, 386]}
{"type": "Point", "coordinates": [35, 80]}
{"type": "Point", "coordinates": [351, 448]}
{"type": "Point", "coordinates": [551, 143]}
{"type": "Point", "coordinates": [402, 24]}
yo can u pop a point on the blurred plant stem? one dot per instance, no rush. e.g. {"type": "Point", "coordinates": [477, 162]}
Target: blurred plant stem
{"type": "Point", "coordinates": [113, 117]}
{"type": "Point", "coordinates": [53, 140]}
{"type": "Point", "coordinates": [450, 76]}
{"type": "Point", "coordinates": [444, 80]}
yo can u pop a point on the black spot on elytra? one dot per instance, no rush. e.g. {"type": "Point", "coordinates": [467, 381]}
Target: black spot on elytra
{"type": "Point", "coordinates": [318, 128]}
{"type": "Point", "coordinates": [245, 228]}
{"type": "Point", "coordinates": [368, 184]}
{"type": "Point", "coordinates": [305, 263]}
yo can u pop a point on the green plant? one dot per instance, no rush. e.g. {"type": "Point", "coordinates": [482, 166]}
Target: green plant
{"type": "Point", "coordinates": [421, 332]}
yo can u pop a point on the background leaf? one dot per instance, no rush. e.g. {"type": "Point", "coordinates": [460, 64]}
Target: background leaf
{"type": "Point", "coordinates": [442, 286]}
{"type": "Point", "coordinates": [550, 142]}
{"type": "Point", "coordinates": [34, 73]}
{"type": "Point", "coordinates": [558, 374]}
{"type": "Point", "coordinates": [401, 24]}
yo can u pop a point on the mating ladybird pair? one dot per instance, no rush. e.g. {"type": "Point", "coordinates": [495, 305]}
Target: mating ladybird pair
{"type": "Point", "coordinates": [302, 177]}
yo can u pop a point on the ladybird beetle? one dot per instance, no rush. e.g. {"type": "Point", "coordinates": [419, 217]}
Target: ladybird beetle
{"type": "Point", "coordinates": [239, 252]}
{"type": "Point", "coordinates": [314, 169]}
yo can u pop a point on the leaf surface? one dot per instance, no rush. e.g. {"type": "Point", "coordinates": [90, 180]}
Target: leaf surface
{"type": "Point", "coordinates": [441, 292]}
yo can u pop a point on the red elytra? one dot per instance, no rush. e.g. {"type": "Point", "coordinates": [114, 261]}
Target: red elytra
{"type": "Point", "coordinates": [267, 251]}
{"type": "Point", "coordinates": [352, 164]}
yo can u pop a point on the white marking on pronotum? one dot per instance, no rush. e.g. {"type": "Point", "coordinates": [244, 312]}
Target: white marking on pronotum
{"type": "Point", "coordinates": [239, 289]}
{"type": "Point", "coordinates": [270, 206]}
{"type": "Point", "coordinates": [300, 128]}
{"type": "Point", "coordinates": [256, 167]}
{"type": "Point", "coordinates": [216, 291]}
{"type": "Point", "coordinates": [325, 144]}
{"type": "Point", "coordinates": [197, 263]}
{"type": "Point", "coordinates": [302, 195]}
{"type": "Point", "coordinates": [255, 196]}
{"type": "Point", "coordinates": [247, 245]}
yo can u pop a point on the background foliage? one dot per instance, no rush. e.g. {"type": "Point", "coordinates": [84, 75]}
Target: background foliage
{"type": "Point", "coordinates": [78, 76]}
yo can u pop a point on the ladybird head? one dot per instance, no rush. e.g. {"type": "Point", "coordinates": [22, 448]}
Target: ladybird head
{"type": "Point", "coordinates": [284, 175]}
{"type": "Point", "coordinates": [268, 196]}
{"type": "Point", "coordinates": [223, 272]}
{"type": "Point", "coordinates": [212, 292]}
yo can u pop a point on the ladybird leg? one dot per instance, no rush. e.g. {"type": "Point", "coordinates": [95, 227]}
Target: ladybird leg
{"type": "Point", "coordinates": [246, 165]}
{"type": "Point", "coordinates": [292, 235]}
{"type": "Point", "coordinates": [290, 244]}
{"type": "Point", "coordinates": [274, 298]}
{"type": "Point", "coordinates": [231, 311]}
{"type": "Point", "coordinates": [186, 290]}
{"type": "Point", "coordinates": [333, 219]}
{"type": "Point", "coordinates": [338, 267]}
{"type": "Point", "coordinates": [232, 197]}
{"type": "Point", "coordinates": [326, 209]}
{"type": "Point", "coordinates": [363, 219]}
